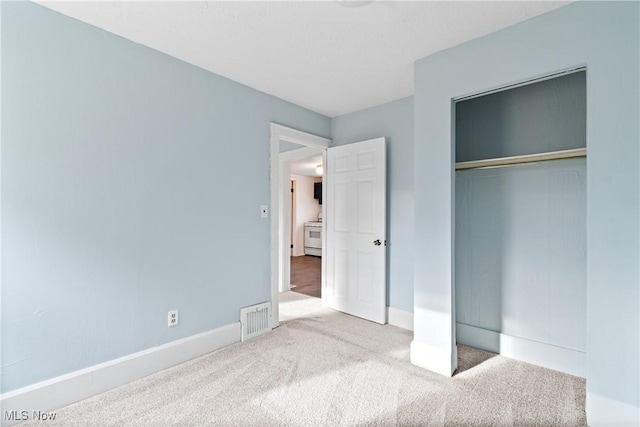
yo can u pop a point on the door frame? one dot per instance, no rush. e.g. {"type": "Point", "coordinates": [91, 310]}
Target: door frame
{"type": "Point", "coordinates": [294, 214]}
{"type": "Point", "coordinates": [278, 211]}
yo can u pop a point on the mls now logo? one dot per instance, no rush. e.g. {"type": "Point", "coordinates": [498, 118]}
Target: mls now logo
{"type": "Point", "coordinates": [24, 415]}
{"type": "Point", "coordinates": [16, 415]}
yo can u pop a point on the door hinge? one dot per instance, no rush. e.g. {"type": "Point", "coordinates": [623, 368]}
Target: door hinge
{"type": "Point", "coordinates": [292, 190]}
{"type": "Point", "coordinates": [291, 246]}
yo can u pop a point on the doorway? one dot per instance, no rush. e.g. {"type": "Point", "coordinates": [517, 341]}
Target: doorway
{"type": "Point", "coordinates": [287, 146]}
{"type": "Point", "coordinates": [306, 226]}
{"type": "Point", "coordinates": [354, 247]}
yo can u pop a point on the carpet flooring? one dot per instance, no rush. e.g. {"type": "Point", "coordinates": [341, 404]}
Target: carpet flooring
{"type": "Point", "coordinates": [324, 368]}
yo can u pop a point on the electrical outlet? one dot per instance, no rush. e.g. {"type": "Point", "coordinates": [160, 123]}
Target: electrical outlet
{"type": "Point", "coordinates": [173, 318]}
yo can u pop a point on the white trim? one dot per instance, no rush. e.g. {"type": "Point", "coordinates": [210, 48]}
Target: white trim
{"type": "Point", "coordinates": [602, 411]}
{"type": "Point", "coordinates": [298, 137]}
{"type": "Point", "coordinates": [569, 361]}
{"type": "Point", "coordinates": [283, 133]}
{"type": "Point", "coordinates": [400, 318]}
{"type": "Point", "coordinates": [436, 359]}
{"type": "Point", "coordinates": [66, 389]}
{"type": "Point", "coordinates": [284, 227]}
{"type": "Point", "coordinates": [323, 261]}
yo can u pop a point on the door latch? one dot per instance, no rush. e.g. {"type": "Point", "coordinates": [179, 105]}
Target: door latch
{"type": "Point", "coordinates": [377, 242]}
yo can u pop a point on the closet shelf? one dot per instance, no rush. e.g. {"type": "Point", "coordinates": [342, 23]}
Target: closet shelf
{"type": "Point", "coordinates": [527, 158]}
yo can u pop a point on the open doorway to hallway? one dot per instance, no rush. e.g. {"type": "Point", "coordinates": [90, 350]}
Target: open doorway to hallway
{"type": "Point", "coordinates": [306, 226]}
{"type": "Point", "coordinates": [288, 146]}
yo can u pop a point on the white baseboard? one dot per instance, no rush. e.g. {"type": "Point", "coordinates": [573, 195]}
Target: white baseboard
{"type": "Point", "coordinates": [400, 318]}
{"type": "Point", "coordinates": [561, 359]}
{"type": "Point", "coordinates": [66, 389]}
{"type": "Point", "coordinates": [436, 359]}
{"type": "Point", "coordinates": [602, 411]}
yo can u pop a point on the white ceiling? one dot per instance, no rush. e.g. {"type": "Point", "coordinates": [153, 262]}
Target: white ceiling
{"type": "Point", "coordinates": [325, 56]}
{"type": "Point", "coordinates": [307, 167]}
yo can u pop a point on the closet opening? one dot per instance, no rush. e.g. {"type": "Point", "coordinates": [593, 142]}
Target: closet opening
{"type": "Point", "coordinates": [520, 221]}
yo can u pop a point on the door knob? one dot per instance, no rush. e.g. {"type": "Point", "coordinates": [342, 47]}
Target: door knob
{"type": "Point", "coordinates": [377, 242]}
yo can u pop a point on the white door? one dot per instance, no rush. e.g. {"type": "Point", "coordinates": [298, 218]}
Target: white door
{"type": "Point", "coordinates": [356, 229]}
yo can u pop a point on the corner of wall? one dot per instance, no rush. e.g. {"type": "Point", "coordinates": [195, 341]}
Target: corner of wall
{"type": "Point", "coordinates": [436, 359]}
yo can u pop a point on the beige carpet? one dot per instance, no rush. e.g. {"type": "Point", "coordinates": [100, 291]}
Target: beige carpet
{"type": "Point", "coordinates": [323, 368]}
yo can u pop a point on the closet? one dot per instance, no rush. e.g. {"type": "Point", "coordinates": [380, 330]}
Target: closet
{"type": "Point", "coordinates": [520, 222]}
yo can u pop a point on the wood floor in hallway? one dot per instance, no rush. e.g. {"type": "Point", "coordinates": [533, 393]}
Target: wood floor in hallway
{"type": "Point", "coordinates": [306, 273]}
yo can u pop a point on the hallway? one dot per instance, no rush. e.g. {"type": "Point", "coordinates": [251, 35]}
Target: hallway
{"type": "Point", "coordinates": [306, 275]}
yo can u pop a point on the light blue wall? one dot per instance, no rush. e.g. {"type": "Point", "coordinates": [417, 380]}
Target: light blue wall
{"type": "Point", "coordinates": [393, 120]}
{"type": "Point", "coordinates": [535, 118]}
{"type": "Point", "coordinates": [131, 185]}
{"type": "Point", "coordinates": [520, 251]}
{"type": "Point", "coordinates": [605, 37]}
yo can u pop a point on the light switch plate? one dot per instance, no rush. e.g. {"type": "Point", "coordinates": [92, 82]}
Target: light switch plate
{"type": "Point", "coordinates": [264, 211]}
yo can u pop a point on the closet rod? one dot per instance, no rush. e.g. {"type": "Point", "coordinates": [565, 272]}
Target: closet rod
{"type": "Point", "coordinates": [527, 158]}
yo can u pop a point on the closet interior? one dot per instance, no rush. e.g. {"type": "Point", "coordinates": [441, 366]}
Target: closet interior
{"type": "Point", "coordinates": [520, 222]}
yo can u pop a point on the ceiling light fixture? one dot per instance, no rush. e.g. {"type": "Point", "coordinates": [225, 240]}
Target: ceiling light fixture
{"type": "Point", "coordinates": [319, 169]}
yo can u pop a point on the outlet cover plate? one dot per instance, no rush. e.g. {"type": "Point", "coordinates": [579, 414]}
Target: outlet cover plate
{"type": "Point", "coordinates": [173, 319]}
